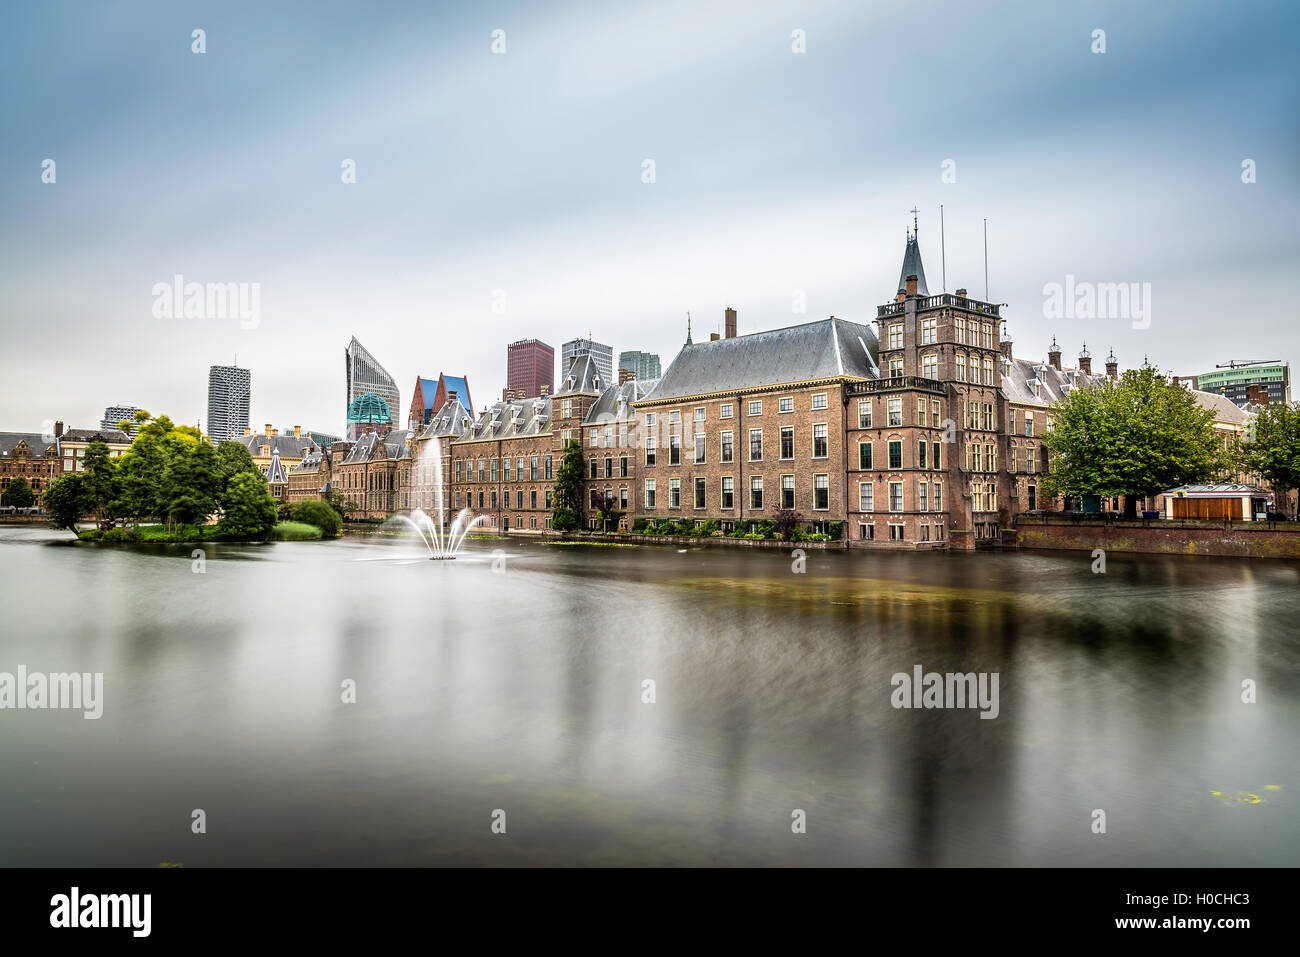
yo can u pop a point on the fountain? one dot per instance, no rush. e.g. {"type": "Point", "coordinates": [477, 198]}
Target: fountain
{"type": "Point", "coordinates": [442, 542]}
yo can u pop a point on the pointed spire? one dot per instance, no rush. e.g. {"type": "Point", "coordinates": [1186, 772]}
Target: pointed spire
{"type": "Point", "coordinates": [688, 330]}
{"type": "Point", "coordinates": [912, 265]}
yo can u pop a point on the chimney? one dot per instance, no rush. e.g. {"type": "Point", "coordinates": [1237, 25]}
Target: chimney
{"type": "Point", "coordinates": [961, 293]}
{"type": "Point", "coordinates": [297, 431]}
{"type": "Point", "coordinates": [1005, 345]}
{"type": "Point", "coordinates": [627, 375]}
{"type": "Point", "coordinates": [275, 431]}
{"type": "Point", "coordinates": [1256, 395]}
{"type": "Point", "coordinates": [1112, 365]}
{"type": "Point", "coordinates": [714, 337]}
{"type": "Point", "coordinates": [730, 323]}
{"type": "Point", "coordinates": [546, 390]}
{"type": "Point", "coordinates": [268, 429]}
{"type": "Point", "coordinates": [1054, 355]}
{"type": "Point", "coordinates": [911, 285]}
{"type": "Point", "coordinates": [58, 430]}
{"type": "Point", "coordinates": [247, 430]}
{"type": "Point", "coordinates": [1085, 360]}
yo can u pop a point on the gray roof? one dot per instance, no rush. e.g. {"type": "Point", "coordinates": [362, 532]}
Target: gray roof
{"type": "Point", "coordinates": [615, 404]}
{"type": "Point", "coordinates": [372, 446]}
{"type": "Point", "coordinates": [275, 471]}
{"type": "Point", "coordinates": [912, 267]}
{"type": "Point", "coordinates": [1041, 383]}
{"type": "Point", "coordinates": [111, 436]}
{"type": "Point", "coordinates": [823, 349]}
{"type": "Point", "coordinates": [504, 420]}
{"type": "Point", "coordinates": [286, 445]}
{"type": "Point", "coordinates": [35, 442]}
{"type": "Point", "coordinates": [581, 377]}
{"type": "Point", "coordinates": [1225, 411]}
{"type": "Point", "coordinates": [311, 462]}
{"type": "Point", "coordinates": [451, 420]}
{"type": "Point", "coordinates": [1211, 491]}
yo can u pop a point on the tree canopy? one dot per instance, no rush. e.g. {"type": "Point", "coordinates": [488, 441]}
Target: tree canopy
{"type": "Point", "coordinates": [1272, 451]}
{"type": "Point", "coordinates": [568, 488]}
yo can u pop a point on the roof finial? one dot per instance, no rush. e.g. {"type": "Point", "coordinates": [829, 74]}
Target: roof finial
{"type": "Point", "coordinates": [688, 328]}
{"type": "Point", "coordinates": [915, 227]}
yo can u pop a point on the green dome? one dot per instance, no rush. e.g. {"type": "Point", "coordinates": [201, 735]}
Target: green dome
{"type": "Point", "coordinates": [369, 409]}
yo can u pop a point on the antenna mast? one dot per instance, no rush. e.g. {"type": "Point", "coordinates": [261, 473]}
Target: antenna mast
{"type": "Point", "coordinates": [943, 255]}
{"type": "Point", "coordinates": [986, 259]}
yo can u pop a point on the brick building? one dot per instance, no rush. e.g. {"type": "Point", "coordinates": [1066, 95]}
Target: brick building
{"type": "Point", "coordinates": [29, 455]}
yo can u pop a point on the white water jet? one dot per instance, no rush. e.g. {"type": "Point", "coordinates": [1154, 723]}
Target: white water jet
{"type": "Point", "coordinates": [441, 541]}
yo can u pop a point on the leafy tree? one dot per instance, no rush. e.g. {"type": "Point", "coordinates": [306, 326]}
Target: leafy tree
{"type": "Point", "coordinates": [66, 501]}
{"type": "Point", "coordinates": [101, 484]}
{"type": "Point", "coordinates": [233, 458]}
{"type": "Point", "coordinates": [786, 520]}
{"type": "Point", "coordinates": [248, 510]}
{"type": "Point", "coordinates": [315, 512]}
{"type": "Point", "coordinates": [1273, 450]}
{"type": "Point", "coordinates": [341, 504]}
{"type": "Point", "coordinates": [568, 489]}
{"type": "Point", "coordinates": [18, 493]}
{"type": "Point", "coordinates": [1135, 437]}
{"type": "Point", "coordinates": [190, 481]}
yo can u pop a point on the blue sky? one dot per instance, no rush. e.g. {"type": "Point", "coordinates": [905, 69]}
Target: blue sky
{"type": "Point", "coordinates": [776, 173]}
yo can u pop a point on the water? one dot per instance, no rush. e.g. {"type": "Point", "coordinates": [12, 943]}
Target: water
{"type": "Point", "coordinates": [521, 690]}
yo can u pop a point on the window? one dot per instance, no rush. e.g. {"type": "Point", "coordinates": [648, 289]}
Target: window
{"type": "Point", "coordinates": [929, 331]}
{"type": "Point", "coordinates": [864, 413]}
{"type": "Point", "coordinates": [650, 450]}
{"type": "Point", "coordinates": [482, 470]}
{"type": "Point", "coordinates": [988, 370]}
{"type": "Point", "coordinates": [961, 367]}
{"type": "Point", "coordinates": [622, 498]}
{"type": "Point", "coordinates": [1029, 462]}
{"type": "Point", "coordinates": [699, 448]}
{"type": "Point", "coordinates": [593, 441]}
{"type": "Point", "coordinates": [675, 417]}
{"type": "Point", "coordinates": [724, 412]}
{"type": "Point", "coordinates": [787, 443]}
{"type": "Point", "coordinates": [820, 441]}
{"type": "Point", "coordinates": [895, 368]}
{"type": "Point", "coordinates": [934, 454]}
{"type": "Point", "coordinates": [930, 367]}
{"type": "Point", "coordinates": [622, 467]}
{"type": "Point", "coordinates": [548, 504]}
{"type": "Point", "coordinates": [609, 468]}
{"type": "Point", "coordinates": [937, 503]}
{"type": "Point", "coordinates": [896, 455]}
{"type": "Point", "coordinates": [566, 408]}
{"type": "Point", "coordinates": [895, 496]}
{"type": "Point", "coordinates": [519, 499]}
{"type": "Point", "coordinates": [699, 415]}
{"type": "Point", "coordinates": [920, 454]}
{"type": "Point", "coordinates": [864, 455]}
{"type": "Point", "coordinates": [532, 468]}
{"type": "Point", "coordinates": [756, 445]}
{"type": "Point", "coordinates": [1011, 421]}
{"type": "Point", "coordinates": [785, 405]}
{"type": "Point", "coordinates": [594, 468]}
{"type": "Point", "coordinates": [1029, 424]}
{"type": "Point", "coordinates": [821, 492]}
{"type": "Point", "coordinates": [787, 491]}
{"type": "Point", "coordinates": [921, 496]}
{"type": "Point", "coordinates": [866, 496]}
{"type": "Point", "coordinates": [756, 491]}
{"type": "Point", "coordinates": [756, 408]}
{"type": "Point", "coordinates": [959, 330]}
{"type": "Point", "coordinates": [896, 335]}
{"type": "Point", "coordinates": [674, 450]}
{"type": "Point", "coordinates": [728, 492]}
{"type": "Point", "coordinates": [895, 412]}
{"type": "Point", "coordinates": [920, 412]}
{"type": "Point", "coordinates": [674, 493]}
{"type": "Point", "coordinates": [819, 400]}
{"type": "Point", "coordinates": [699, 492]}
{"type": "Point", "coordinates": [727, 450]}
{"type": "Point", "coordinates": [507, 468]}
{"type": "Point", "coordinates": [649, 493]}
{"type": "Point", "coordinates": [649, 420]}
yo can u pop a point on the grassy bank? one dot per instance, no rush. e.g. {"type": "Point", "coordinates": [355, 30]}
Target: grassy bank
{"type": "Point", "coordinates": [188, 534]}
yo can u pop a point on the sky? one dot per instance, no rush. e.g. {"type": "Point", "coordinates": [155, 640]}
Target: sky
{"type": "Point", "coordinates": [504, 195]}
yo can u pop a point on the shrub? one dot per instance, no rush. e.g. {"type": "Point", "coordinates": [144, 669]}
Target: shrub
{"type": "Point", "coordinates": [709, 528]}
{"type": "Point", "coordinates": [564, 520]}
{"type": "Point", "coordinates": [837, 531]}
{"type": "Point", "coordinates": [640, 524]}
{"type": "Point", "coordinates": [312, 511]}
{"type": "Point", "coordinates": [296, 531]}
{"type": "Point", "coordinates": [685, 526]}
{"type": "Point", "coordinates": [754, 536]}
{"type": "Point", "coordinates": [120, 534]}
{"type": "Point", "coordinates": [819, 537]}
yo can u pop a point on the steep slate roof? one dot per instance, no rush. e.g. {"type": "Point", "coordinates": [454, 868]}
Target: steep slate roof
{"type": "Point", "coordinates": [110, 436]}
{"type": "Point", "coordinates": [285, 445]}
{"type": "Point", "coordinates": [451, 420]}
{"type": "Point", "coordinates": [823, 349]}
{"type": "Point", "coordinates": [609, 408]}
{"type": "Point", "coordinates": [504, 420]}
{"type": "Point", "coordinates": [37, 445]}
{"type": "Point", "coordinates": [372, 446]}
{"type": "Point", "coordinates": [1225, 410]}
{"type": "Point", "coordinates": [311, 462]}
{"type": "Point", "coordinates": [581, 377]}
{"type": "Point", "coordinates": [275, 471]}
{"type": "Point", "coordinates": [912, 267]}
{"type": "Point", "coordinates": [1053, 383]}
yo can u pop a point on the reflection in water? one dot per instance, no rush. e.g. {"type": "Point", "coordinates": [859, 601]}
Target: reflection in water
{"type": "Point", "coordinates": [523, 691]}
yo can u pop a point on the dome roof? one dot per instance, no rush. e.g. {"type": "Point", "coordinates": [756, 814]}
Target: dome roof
{"type": "Point", "coordinates": [369, 409]}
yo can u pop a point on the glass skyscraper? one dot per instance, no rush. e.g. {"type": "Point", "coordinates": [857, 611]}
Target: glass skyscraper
{"type": "Point", "coordinates": [228, 397]}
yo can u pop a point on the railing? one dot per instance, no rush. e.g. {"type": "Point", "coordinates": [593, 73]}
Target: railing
{"type": "Point", "coordinates": [896, 383]}
{"type": "Point", "coordinates": [946, 299]}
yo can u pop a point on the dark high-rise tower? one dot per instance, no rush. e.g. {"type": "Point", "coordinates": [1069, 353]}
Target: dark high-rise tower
{"type": "Point", "coordinates": [530, 365]}
{"type": "Point", "coordinates": [228, 400]}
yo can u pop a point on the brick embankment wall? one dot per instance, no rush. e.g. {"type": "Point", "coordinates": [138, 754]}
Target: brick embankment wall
{"type": "Point", "coordinates": [1161, 536]}
{"type": "Point", "coordinates": [675, 540]}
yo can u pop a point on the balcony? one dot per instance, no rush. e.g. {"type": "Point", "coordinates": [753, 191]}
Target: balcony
{"type": "Point", "coordinates": [898, 383]}
{"type": "Point", "coordinates": [931, 302]}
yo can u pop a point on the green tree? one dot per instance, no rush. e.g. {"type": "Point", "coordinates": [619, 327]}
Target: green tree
{"type": "Point", "coordinates": [568, 512]}
{"type": "Point", "coordinates": [190, 482]}
{"type": "Point", "coordinates": [1135, 437]}
{"type": "Point", "coordinates": [66, 502]}
{"type": "Point", "coordinates": [233, 458]}
{"type": "Point", "coordinates": [248, 510]}
{"type": "Point", "coordinates": [18, 493]}
{"type": "Point", "coordinates": [341, 504]}
{"type": "Point", "coordinates": [1273, 449]}
{"type": "Point", "coordinates": [101, 484]}
{"type": "Point", "coordinates": [315, 512]}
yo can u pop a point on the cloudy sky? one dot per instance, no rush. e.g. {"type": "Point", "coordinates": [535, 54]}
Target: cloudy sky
{"type": "Point", "coordinates": [516, 178]}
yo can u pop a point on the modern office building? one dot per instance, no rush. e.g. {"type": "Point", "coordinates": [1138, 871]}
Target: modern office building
{"type": "Point", "coordinates": [530, 365]}
{"type": "Point", "coordinates": [115, 414]}
{"type": "Point", "coordinates": [1243, 380]}
{"type": "Point", "coordinates": [601, 354]}
{"type": "Point", "coordinates": [365, 376]}
{"type": "Point", "coordinates": [228, 400]}
{"type": "Point", "coordinates": [430, 395]}
{"type": "Point", "coordinates": [643, 365]}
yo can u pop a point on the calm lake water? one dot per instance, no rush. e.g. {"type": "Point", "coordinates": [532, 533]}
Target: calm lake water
{"type": "Point", "coordinates": [521, 690]}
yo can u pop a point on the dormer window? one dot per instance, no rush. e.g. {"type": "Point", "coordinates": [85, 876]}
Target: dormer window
{"type": "Point", "coordinates": [596, 382]}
